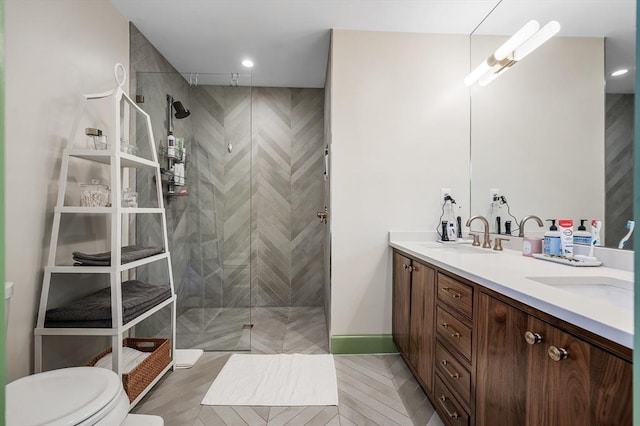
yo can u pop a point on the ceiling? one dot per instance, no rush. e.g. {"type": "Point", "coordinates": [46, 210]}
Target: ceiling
{"type": "Point", "coordinates": [288, 40]}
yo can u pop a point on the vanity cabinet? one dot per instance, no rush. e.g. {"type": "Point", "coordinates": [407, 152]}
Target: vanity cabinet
{"type": "Point", "coordinates": [486, 359]}
{"type": "Point", "coordinates": [401, 320]}
{"type": "Point", "coordinates": [413, 315]}
{"type": "Point", "coordinates": [530, 372]}
{"type": "Point", "coordinates": [454, 342]}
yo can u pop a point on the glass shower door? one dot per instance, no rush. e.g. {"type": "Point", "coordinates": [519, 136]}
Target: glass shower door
{"type": "Point", "coordinates": [209, 224]}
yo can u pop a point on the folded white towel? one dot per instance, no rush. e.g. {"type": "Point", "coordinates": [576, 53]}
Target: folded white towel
{"type": "Point", "coordinates": [131, 358]}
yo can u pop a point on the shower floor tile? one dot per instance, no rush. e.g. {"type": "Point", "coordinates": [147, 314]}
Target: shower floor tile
{"type": "Point", "coordinates": [275, 330]}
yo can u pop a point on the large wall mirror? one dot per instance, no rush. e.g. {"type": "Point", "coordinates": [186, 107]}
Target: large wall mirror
{"type": "Point", "coordinates": [554, 133]}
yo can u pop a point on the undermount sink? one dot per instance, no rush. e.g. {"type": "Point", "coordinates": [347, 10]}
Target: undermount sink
{"type": "Point", "coordinates": [460, 248]}
{"type": "Point", "coordinates": [615, 291]}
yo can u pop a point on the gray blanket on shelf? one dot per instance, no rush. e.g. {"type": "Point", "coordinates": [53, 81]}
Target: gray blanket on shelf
{"type": "Point", "coordinates": [129, 254]}
{"type": "Point", "coordinates": [94, 310]}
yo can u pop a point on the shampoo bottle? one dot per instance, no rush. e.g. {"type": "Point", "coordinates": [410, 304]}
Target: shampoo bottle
{"type": "Point", "coordinates": [582, 236]}
{"type": "Point", "coordinates": [171, 145]}
{"type": "Point", "coordinates": [552, 240]}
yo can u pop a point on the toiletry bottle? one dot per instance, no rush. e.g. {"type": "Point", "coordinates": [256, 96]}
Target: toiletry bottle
{"type": "Point", "coordinates": [582, 236]}
{"type": "Point", "coordinates": [552, 243]}
{"type": "Point", "coordinates": [565, 226]}
{"type": "Point", "coordinates": [507, 227]}
{"type": "Point", "coordinates": [444, 235]}
{"type": "Point", "coordinates": [171, 145]}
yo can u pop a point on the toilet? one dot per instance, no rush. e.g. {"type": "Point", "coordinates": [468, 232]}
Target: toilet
{"type": "Point", "coordinates": [69, 396]}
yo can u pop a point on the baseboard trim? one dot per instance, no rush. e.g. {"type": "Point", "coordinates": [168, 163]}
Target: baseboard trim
{"type": "Point", "coordinates": [363, 344]}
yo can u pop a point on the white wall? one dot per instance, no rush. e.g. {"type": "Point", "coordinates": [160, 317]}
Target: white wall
{"type": "Point", "coordinates": [55, 52]}
{"type": "Point", "coordinates": [537, 132]}
{"type": "Point", "coordinates": [399, 132]}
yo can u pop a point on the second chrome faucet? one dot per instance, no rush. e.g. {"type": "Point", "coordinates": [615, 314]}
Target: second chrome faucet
{"type": "Point", "coordinates": [486, 243]}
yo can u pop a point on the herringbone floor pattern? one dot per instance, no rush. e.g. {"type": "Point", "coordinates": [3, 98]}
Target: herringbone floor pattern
{"type": "Point", "coordinates": [372, 389]}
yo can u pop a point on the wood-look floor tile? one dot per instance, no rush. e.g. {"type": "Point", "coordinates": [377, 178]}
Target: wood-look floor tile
{"type": "Point", "coordinates": [373, 389]}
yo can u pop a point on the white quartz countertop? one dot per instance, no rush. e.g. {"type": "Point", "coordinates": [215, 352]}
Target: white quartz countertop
{"type": "Point", "coordinates": [507, 273]}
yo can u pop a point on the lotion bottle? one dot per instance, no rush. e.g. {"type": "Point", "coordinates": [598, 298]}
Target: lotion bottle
{"type": "Point", "coordinates": [552, 240]}
{"type": "Point", "coordinates": [582, 236]}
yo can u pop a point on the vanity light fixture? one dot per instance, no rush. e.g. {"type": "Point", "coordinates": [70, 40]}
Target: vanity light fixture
{"type": "Point", "coordinates": [619, 72]}
{"type": "Point", "coordinates": [247, 63]}
{"type": "Point", "coordinates": [522, 43]}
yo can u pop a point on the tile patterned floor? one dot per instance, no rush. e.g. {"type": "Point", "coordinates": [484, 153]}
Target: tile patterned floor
{"type": "Point", "coordinates": [372, 389]}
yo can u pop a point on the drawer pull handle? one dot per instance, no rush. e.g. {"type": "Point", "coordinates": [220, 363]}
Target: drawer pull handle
{"type": "Point", "coordinates": [442, 400]}
{"type": "Point", "coordinates": [452, 293]}
{"type": "Point", "coordinates": [454, 333]}
{"type": "Point", "coordinates": [444, 364]}
{"type": "Point", "coordinates": [532, 338]}
{"type": "Point", "coordinates": [557, 354]}
{"type": "Point", "coordinates": [405, 266]}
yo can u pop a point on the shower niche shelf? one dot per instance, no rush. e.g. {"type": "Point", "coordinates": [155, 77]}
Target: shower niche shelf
{"type": "Point", "coordinates": [54, 274]}
{"type": "Point", "coordinates": [174, 184]}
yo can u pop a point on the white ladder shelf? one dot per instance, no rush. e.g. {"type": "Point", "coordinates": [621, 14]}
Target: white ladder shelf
{"type": "Point", "coordinates": [117, 162]}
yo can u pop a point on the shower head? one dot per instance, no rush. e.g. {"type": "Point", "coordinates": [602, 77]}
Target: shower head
{"type": "Point", "coordinates": [181, 112]}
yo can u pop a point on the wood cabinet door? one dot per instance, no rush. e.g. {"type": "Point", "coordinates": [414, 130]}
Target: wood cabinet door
{"type": "Point", "coordinates": [588, 387]}
{"type": "Point", "coordinates": [501, 382]}
{"type": "Point", "coordinates": [422, 340]}
{"type": "Point", "coordinates": [401, 305]}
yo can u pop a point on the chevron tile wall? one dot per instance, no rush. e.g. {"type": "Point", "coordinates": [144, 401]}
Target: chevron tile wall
{"type": "Point", "coordinates": [288, 191]}
{"type": "Point", "coordinates": [247, 234]}
{"type": "Point", "coordinates": [618, 154]}
{"type": "Point", "coordinates": [260, 199]}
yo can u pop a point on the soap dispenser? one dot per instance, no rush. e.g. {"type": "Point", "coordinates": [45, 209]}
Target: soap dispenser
{"type": "Point", "coordinates": [582, 236]}
{"type": "Point", "coordinates": [552, 240]}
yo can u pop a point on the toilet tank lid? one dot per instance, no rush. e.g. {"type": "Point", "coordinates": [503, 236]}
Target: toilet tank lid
{"type": "Point", "coordinates": [8, 290]}
{"type": "Point", "coordinates": [66, 396]}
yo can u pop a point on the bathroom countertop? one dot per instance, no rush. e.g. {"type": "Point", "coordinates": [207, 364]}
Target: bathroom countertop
{"type": "Point", "coordinates": [506, 272]}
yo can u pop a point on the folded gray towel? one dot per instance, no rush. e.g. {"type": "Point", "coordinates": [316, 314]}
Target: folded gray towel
{"type": "Point", "coordinates": [94, 310]}
{"type": "Point", "coordinates": [129, 254]}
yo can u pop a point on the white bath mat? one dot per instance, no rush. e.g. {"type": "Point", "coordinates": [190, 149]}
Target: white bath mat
{"type": "Point", "coordinates": [187, 358]}
{"type": "Point", "coordinates": [275, 380]}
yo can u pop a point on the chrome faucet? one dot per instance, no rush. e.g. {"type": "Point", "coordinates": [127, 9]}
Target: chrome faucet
{"type": "Point", "coordinates": [524, 220]}
{"type": "Point", "coordinates": [486, 243]}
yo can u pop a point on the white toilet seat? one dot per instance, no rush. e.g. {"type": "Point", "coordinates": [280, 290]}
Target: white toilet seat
{"type": "Point", "coordinates": [69, 396]}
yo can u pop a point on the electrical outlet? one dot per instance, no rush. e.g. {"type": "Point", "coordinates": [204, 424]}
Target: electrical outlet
{"type": "Point", "coordinates": [443, 193]}
{"type": "Point", "coordinates": [494, 193]}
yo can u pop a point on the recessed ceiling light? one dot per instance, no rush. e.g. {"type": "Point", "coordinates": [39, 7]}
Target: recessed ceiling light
{"type": "Point", "coordinates": [247, 63]}
{"type": "Point", "coordinates": [619, 72]}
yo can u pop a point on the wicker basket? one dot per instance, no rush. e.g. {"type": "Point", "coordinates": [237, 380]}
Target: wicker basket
{"type": "Point", "coordinates": [144, 373]}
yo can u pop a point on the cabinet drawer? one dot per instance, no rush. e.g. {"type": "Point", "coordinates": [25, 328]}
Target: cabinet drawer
{"type": "Point", "coordinates": [453, 373]}
{"type": "Point", "coordinates": [454, 332]}
{"type": "Point", "coordinates": [455, 294]}
{"type": "Point", "coordinates": [450, 409]}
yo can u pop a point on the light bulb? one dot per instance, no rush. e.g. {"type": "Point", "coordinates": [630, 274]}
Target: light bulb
{"type": "Point", "coordinates": [536, 40]}
{"type": "Point", "coordinates": [247, 63]}
{"type": "Point", "coordinates": [523, 34]}
{"type": "Point", "coordinates": [489, 77]}
{"type": "Point", "coordinates": [619, 72]}
{"type": "Point", "coordinates": [477, 73]}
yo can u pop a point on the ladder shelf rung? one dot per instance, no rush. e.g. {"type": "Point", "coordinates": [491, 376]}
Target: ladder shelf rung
{"type": "Point", "coordinates": [103, 210]}
{"type": "Point", "coordinates": [105, 157]}
{"type": "Point", "coordinates": [113, 331]}
{"type": "Point", "coordinates": [70, 269]}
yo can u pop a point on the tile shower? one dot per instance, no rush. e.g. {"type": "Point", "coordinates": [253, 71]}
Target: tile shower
{"type": "Point", "coordinates": [246, 236]}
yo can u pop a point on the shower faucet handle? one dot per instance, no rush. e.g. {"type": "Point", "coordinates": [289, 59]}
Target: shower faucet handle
{"type": "Point", "coordinates": [322, 215]}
